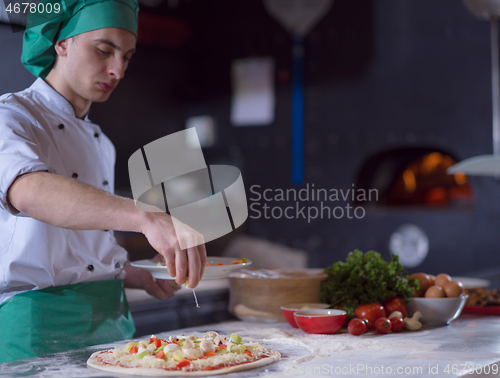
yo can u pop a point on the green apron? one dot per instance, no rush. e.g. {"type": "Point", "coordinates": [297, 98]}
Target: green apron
{"type": "Point", "coordinates": [56, 319]}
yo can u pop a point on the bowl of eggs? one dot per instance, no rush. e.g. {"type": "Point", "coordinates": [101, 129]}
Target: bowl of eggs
{"type": "Point", "coordinates": [440, 299]}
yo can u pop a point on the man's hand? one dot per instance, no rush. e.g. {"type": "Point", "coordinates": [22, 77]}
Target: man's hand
{"type": "Point", "coordinates": [164, 238]}
{"type": "Point", "coordinates": [137, 278]}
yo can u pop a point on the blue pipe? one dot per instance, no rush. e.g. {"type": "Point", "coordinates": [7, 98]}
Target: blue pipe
{"type": "Point", "coordinates": [298, 112]}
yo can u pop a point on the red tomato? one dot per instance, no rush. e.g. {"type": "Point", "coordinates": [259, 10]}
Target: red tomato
{"type": "Point", "coordinates": [356, 326]}
{"type": "Point", "coordinates": [182, 363]}
{"type": "Point", "coordinates": [383, 325]}
{"type": "Point", "coordinates": [371, 312]}
{"type": "Point", "coordinates": [395, 304]}
{"type": "Point", "coordinates": [397, 323]}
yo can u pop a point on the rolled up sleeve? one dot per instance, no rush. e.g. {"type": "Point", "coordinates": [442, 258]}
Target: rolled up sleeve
{"type": "Point", "coordinates": [21, 149]}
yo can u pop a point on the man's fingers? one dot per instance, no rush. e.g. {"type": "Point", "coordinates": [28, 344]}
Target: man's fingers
{"type": "Point", "coordinates": [203, 258]}
{"type": "Point", "coordinates": [194, 267]}
{"type": "Point", "coordinates": [181, 266]}
{"type": "Point", "coordinates": [168, 286]}
{"type": "Point", "coordinates": [162, 289]}
{"type": "Point", "coordinates": [170, 262]}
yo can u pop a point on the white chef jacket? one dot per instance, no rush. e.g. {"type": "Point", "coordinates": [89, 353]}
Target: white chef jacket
{"type": "Point", "coordinates": [40, 132]}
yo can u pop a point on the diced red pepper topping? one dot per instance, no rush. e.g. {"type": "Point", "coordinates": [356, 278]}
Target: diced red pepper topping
{"type": "Point", "coordinates": [160, 355]}
{"type": "Point", "coordinates": [247, 352]}
{"type": "Point", "coordinates": [235, 262]}
{"type": "Point", "coordinates": [209, 354]}
{"type": "Point", "coordinates": [219, 264]}
{"type": "Point", "coordinates": [176, 342]}
{"type": "Point", "coordinates": [152, 339]}
{"type": "Point", "coordinates": [183, 363]}
{"type": "Point", "coordinates": [157, 343]}
{"type": "Point", "coordinates": [134, 349]}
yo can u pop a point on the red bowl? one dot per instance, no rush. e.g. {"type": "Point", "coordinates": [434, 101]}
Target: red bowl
{"type": "Point", "coordinates": [320, 321]}
{"type": "Point", "coordinates": [289, 309]}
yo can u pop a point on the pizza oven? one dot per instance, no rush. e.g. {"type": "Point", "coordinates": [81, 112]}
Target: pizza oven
{"type": "Point", "coordinates": [414, 177]}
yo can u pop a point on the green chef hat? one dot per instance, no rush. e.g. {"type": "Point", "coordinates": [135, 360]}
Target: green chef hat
{"type": "Point", "coordinates": [44, 29]}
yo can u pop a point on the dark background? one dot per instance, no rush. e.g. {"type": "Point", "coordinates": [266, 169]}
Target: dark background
{"type": "Point", "coordinates": [379, 74]}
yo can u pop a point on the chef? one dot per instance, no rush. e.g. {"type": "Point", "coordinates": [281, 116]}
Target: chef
{"type": "Point", "coordinates": [62, 273]}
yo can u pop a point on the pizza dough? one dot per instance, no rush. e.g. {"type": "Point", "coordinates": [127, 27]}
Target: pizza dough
{"type": "Point", "coordinates": [208, 355]}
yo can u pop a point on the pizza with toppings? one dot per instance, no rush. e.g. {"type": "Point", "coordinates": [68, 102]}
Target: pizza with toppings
{"type": "Point", "coordinates": [185, 355]}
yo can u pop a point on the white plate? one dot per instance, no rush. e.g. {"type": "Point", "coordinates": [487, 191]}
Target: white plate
{"type": "Point", "coordinates": [472, 283]}
{"type": "Point", "coordinates": [211, 272]}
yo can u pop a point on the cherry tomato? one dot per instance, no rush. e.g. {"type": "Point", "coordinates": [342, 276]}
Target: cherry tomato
{"type": "Point", "coordinates": [356, 326]}
{"type": "Point", "coordinates": [397, 323]}
{"type": "Point", "coordinates": [395, 304]}
{"type": "Point", "coordinates": [383, 325]}
{"type": "Point", "coordinates": [371, 312]}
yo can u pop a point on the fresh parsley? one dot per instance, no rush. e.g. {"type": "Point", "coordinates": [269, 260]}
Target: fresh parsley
{"type": "Point", "coordinates": [365, 278]}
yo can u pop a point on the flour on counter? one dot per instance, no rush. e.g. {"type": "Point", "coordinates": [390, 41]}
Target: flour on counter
{"type": "Point", "coordinates": [324, 346]}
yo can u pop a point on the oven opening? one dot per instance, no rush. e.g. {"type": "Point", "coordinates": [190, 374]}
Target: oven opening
{"type": "Point", "coordinates": [413, 177]}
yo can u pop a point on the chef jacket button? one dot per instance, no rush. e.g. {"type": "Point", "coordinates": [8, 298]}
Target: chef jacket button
{"type": "Point", "coordinates": [105, 182]}
{"type": "Point", "coordinates": [75, 175]}
{"type": "Point", "coordinates": [61, 126]}
{"type": "Point", "coordinates": [117, 265]}
{"type": "Point", "coordinates": [90, 268]}
{"type": "Point", "coordinates": [96, 135]}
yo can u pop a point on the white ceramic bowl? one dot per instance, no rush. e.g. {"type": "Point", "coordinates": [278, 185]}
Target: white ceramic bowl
{"type": "Point", "coordinates": [437, 311]}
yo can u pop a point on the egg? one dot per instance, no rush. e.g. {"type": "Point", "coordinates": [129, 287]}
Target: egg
{"type": "Point", "coordinates": [453, 289]}
{"type": "Point", "coordinates": [435, 292]}
{"type": "Point", "coordinates": [442, 279]}
{"type": "Point", "coordinates": [424, 280]}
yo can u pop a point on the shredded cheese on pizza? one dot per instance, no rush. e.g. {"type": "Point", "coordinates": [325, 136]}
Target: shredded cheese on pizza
{"type": "Point", "coordinates": [185, 353]}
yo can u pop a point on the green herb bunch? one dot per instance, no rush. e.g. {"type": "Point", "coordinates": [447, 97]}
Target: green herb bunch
{"type": "Point", "coordinates": [365, 278]}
